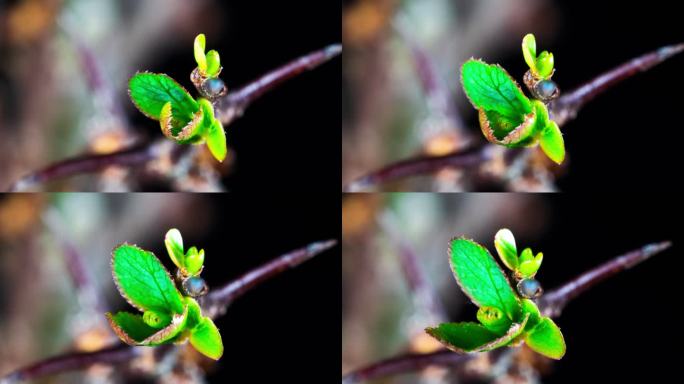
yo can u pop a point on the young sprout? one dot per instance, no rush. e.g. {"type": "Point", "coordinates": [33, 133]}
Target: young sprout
{"type": "Point", "coordinates": [168, 316]}
{"type": "Point", "coordinates": [181, 117]}
{"type": "Point", "coordinates": [506, 317]}
{"type": "Point", "coordinates": [507, 117]}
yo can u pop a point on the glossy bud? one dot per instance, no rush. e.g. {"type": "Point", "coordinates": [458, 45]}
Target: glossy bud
{"type": "Point", "coordinates": [545, 90]}
{"type": "Point", "coordinates": [529, 288]}
{"type": "Point", "coordinates": [213, 88]}
{"type": "Point", "coordinates": [195, 287]}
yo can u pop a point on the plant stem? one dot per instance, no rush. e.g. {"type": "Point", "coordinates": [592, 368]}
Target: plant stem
{"type": "Point", "coordinates": [234, 103]}
{"type": "Point", "coordinates": [551, 304]}
{"type": "Point", "coordinates": [215, 304]}
{"type": "Point", "coordinates": [404, 363]}
{"type": "Point", "coordinates": [567, 106]}
{"type": "Point", "coordinates": [421, 165]}
{"type": "Point", "coordinates": [129, 157]}
{"type": "Point", "coordinates": [228, 108]}
{"type": "Point", "coordinates": [72, 361]}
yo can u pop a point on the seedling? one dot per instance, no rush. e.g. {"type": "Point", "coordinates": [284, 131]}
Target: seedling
{"type": "Point", "coordinates": [506, 317]}
{"type": "Point", "coordinates": [169, 316]}
{"type": "Point", "coordinates": [507, 117]}
{"type": "Point", "coordinates": [181, 117]}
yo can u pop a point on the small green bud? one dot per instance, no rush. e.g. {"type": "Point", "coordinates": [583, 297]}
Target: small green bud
{"type": "Point", "coordinates": [529, 268]}
{"type": "Point", "coordinates": [504, 241]}
{"type": "Point", "coordinates": [529, 48]}
{"type": "Point", "coordinates": [194, 261]}
{"type": "Point", "coordinates": [200, 57]}
{"type": "Point", "coordinates": [213, 64]}
{"type": "Point", "coordinates": [544, 65]}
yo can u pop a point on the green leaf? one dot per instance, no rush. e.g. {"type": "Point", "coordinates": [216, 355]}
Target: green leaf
{"type": "Point", "coordinates": [143, 281]}
{"type": "Point", "coordinates": [504, 241]}
{"type": "Point", "coordinates": [489, 87]}
{"type": "Point", "coordinates": [529, 48]}
{"type": "Point", "coordinates": [546, 339]}
{"type": "Point", "coordinates": [194, 313]}
{"type": "Point", "coordinates": [133, 330]}
{"type": "Point", "coordinates": [213, 63]}
{"type": "Point", "coordinates": [199, 47]}
{"type": "Point", "coordinates": [174, 246]}
{"type": "Point", "coordinates": [472, 337]}
{"type": "Point", "coordinates": [206, 339]}
{"type": "Point", "coordinates": [529, 308]}
{"type": "Point", "coordinates": [178, 128]}
{"type": "Point", "coordinates": [481, 278]}
{"type": "Point", "coordinates": [551, 141]}
{"type": "Point", "coordinates": [151, 91]}
{"type": "Point", "coordinates": [216, 141]}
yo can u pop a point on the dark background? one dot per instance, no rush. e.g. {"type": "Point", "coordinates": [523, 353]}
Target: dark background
{"type": "Point", "coordinates": [286, 137]}
{"type": "Point", "coordinates": [620, 330]}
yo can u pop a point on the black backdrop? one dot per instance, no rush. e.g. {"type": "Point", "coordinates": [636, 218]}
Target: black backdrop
{"type": "Point", "coordinates": [289, 135]}
{"type": "Point", "coordinates": [625, 328]}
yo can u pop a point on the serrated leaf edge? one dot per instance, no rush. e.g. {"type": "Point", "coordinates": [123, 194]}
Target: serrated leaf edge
{"type": "Point", "coordinates": [151, 73]}
{"type": "Point", "coordinates": [118, 284]}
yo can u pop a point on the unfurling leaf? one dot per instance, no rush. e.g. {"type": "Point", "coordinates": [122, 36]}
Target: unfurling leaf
{"type": "Point", "coordinates": [472, 337]}
{"type": "Point", "coordinates": [200, 57]}
{"type": "Point", "coordinates": [504, 242]}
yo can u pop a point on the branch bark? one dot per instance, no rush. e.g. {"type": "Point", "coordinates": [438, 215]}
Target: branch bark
{"type": "Point", "coordinates": [228, 108]}
{"type": "Point", "coordinates": [215, 304]}
{"type": "Point", "coordinates": [562, 110]}
{"type": "Point", "coordinates": [551, 304]}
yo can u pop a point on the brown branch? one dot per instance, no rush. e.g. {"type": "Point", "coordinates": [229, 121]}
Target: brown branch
{"type": "Point", "coordinates": [72, 361]}
{"type": "Point", "coordinates": [89, 163]}
{"type": "Point", "coordinates": [567, 106]}
{"type": "Point", "coordinates": [228, 108]}
{"type": "Point", "coordinates": [234, 103]}
{"type": "Point", "coordinates": [563, 110]}
{"type": "Point", "coordinates": [218, 300]}
{"type": "Point", "coordinates": [215, 304]}
{"type": "Point", "coordinates": [551, 304]}
{"type": "Point", "coordinates": [405, 363]}
{"type": "Point", "coordinates": [421, 165]}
